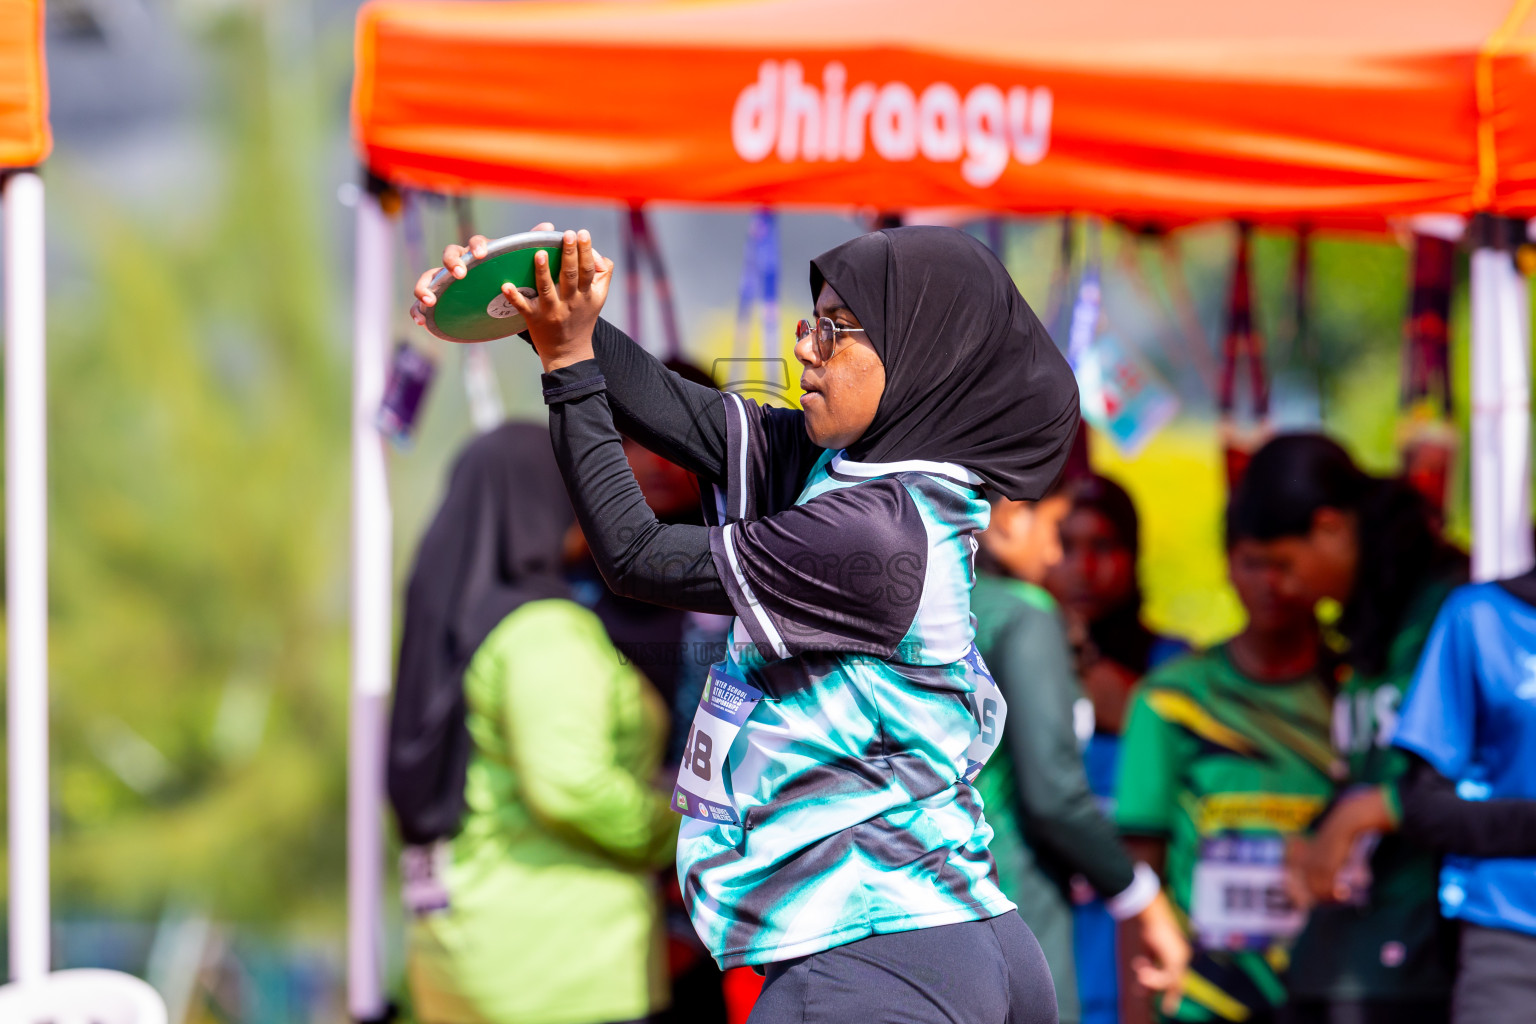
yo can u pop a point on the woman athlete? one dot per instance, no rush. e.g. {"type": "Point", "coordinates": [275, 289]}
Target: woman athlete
{"type": "Point", "coordinates": [831, 836]}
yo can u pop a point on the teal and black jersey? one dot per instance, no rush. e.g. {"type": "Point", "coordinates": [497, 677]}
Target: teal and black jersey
{"type": "Point", "coordinates": [828, 773]}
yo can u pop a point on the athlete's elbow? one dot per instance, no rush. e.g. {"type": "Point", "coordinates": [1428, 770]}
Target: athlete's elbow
{"type": "Point", "coordinates": [631, 581]}
{"type": "Point", "coordinates": [656, 579]}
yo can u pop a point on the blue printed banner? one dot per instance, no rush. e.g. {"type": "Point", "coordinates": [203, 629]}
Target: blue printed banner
{"type": "Point", "coordinates": [1122, 397]}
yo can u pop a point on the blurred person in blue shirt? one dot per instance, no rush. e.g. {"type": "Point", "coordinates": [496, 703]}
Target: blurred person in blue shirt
{"type": "Point", "coordinates": [1469, 726]}
{"type": "Point", "coordinates": [1470, 721]}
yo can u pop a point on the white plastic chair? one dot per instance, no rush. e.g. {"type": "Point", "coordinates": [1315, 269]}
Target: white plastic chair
{"type": "Point", "coordinates": [83, 996]}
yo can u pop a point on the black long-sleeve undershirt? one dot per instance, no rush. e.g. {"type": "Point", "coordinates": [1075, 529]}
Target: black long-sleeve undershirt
{"type": "Point", "coordinates": [1435, 817]}
{"type": "Point", "coordinates": [679, 420]}
{"type": "Point", "coordinates": [627, 388]}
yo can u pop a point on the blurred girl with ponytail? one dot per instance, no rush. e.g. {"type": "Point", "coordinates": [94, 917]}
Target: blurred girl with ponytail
{"type": "Point", "coordinates": [1375, 948]}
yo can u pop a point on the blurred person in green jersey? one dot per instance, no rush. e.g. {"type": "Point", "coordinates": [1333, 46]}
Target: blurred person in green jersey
{"type": "Point", "coordinates": [522, 754]}
{"type": "Point", "coordinates": [1047, 825]}
{"type": "Point", "coordinates": [1224, 758]}
{"type": "Point", "coordinates": [1383, 953]}
{"type": "Point", "coordinates": [1098, 585]}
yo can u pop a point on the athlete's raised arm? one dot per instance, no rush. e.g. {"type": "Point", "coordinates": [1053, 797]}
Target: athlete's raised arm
{"type": "Point", "coordinates": [677, 419]}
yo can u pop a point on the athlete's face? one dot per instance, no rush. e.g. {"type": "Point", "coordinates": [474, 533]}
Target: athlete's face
{"type": "Point", "coordinates": [1259, 577]}
{"type": "Point", "coordinates": [1097, 571]}
{"type": "Point", "coordinates": [1320, 563]}
{"type": "Point", "coordinates": [842, 393]}
{"type": "Point", "coordinates": [1025, 536]}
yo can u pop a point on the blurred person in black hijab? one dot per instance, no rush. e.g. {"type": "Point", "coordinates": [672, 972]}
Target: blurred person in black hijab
{"type": "Point", "coordinates": [522, 751]}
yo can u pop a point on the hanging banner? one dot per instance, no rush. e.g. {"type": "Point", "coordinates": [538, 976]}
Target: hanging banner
{"type": "Point", "coordinates": [1120, 395]}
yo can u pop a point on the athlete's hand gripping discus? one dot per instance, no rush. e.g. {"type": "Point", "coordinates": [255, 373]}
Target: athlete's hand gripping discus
{"type": "Point", "coordinates": [472, 307]}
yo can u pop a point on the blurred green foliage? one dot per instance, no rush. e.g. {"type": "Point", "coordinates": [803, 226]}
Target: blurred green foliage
{"type": "Point", "coordinates": [198, 444]}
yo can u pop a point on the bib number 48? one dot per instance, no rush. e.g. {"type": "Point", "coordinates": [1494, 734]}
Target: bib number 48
{"type": "Point", "coordinates": [699, 753]}
{"type": "Point", "coordinates": [703, 785]}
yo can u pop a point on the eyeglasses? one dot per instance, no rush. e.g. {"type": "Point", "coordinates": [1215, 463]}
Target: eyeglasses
{"type": "Point", "coordinates": [823, 334]}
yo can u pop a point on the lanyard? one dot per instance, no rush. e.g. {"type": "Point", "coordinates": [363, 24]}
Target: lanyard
{"type": "Point", "coordinates": [759, 285]}
{"type": "Point", "coordinates": [997, 238]}
{"type": "Point", "coordinates": [1241, 338]}
{"type": "Point", "coordinates": [639, 246]}
{"type": "Point", "coordinates": [1059, 316]}
{"type": "Point", "coordinates": [411, 370]}
{"type": "Point", "coordinates": [1302, 344]}
{"type": "Point", "coordinates": [1079, 323]}
{"type": "Point", "coordinates": [1426, 354]}
{"type": "Point", "coordinates": [1061, 285]}
{"type": "Point", "coordinates": [1185, 337]}
{"type": "Point", "coordinates": [415, 244]}
{"type": "Point", "coordinates": [1428, 440]}
{"type": "Point", "coordinates": [486, 409]}
{"type": "Point", "coordinates": [1088, 307]}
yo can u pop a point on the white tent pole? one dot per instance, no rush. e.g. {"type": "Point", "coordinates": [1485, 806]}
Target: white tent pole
{"type": "Point", "coordinates": [1501, 401]}
{"type": "Point", "coordinates": [26, 575]}
{"type": "Point", "coordinates": [372, 579]}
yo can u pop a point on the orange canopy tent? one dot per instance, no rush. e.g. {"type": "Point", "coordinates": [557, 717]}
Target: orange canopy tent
{"type": "Point", "coordinates": [1336, 112]}
{"type": "Point", "coordinates": [24, 136]}
{"type": "Point", "coordinates": [1333, 113]}
{"type": "Point", "coordinates": [24, 142]}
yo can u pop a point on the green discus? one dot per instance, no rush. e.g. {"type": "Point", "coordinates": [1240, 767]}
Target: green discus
{"type": "Point", "coordinates": [472, 307]}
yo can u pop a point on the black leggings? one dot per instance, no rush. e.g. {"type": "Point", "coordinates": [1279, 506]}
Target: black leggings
{"type": "Point", "coordinates": [979, 972]}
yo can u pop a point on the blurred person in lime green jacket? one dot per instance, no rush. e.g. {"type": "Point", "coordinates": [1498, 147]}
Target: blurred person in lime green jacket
{"type": "Point", "coordinates": [522, 754]}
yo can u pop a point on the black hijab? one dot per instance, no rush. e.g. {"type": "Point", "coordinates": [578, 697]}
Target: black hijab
{"type": "Point", "coordinates": [495, 544]}
{"type": "Point", "coordinates": [971, 376]}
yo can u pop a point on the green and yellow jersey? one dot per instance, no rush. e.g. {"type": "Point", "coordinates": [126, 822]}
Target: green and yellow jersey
{"type": "Point", "coordinates": [1225, 768]}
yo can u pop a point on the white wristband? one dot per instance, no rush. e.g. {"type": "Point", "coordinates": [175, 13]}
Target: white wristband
{"type": "Point", "coordinates": [1137, 896]}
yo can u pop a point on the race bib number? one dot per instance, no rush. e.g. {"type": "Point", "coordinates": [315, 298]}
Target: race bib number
{"type": "Point", "coordinates": [423, 878]}
{"type": "Point", "coordinates": [990, 710]}
{"type": "Point", "coordinates": [1238, 900]}
{"type": "Point", "coordinates": [702, 790]}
